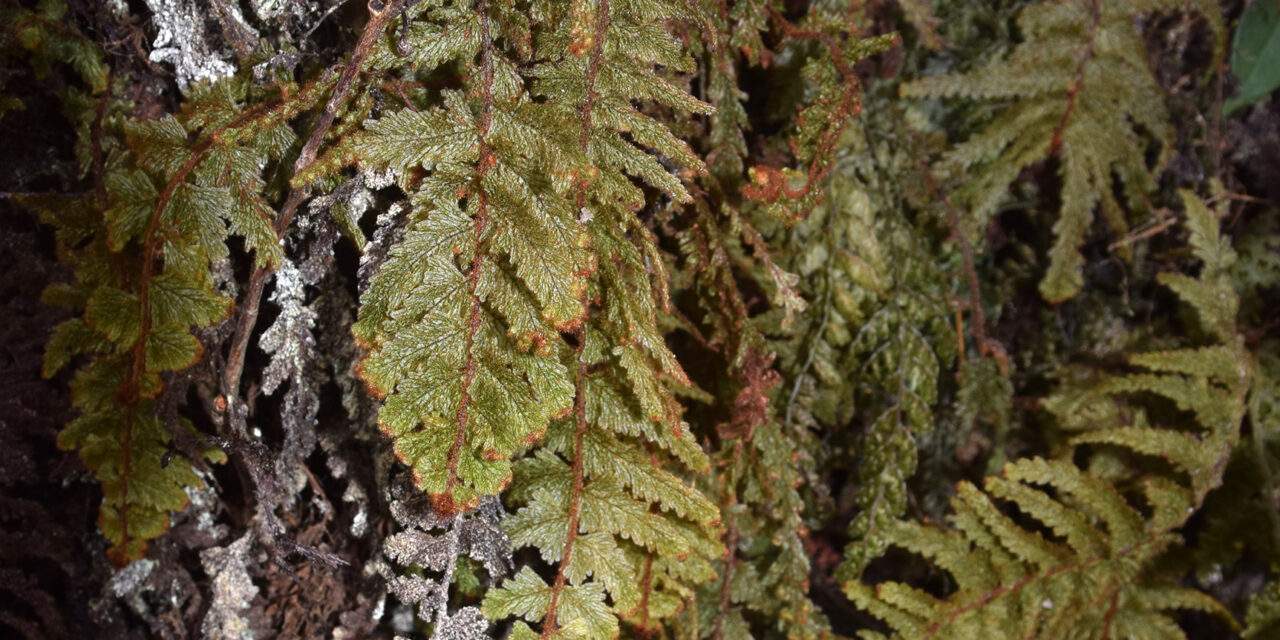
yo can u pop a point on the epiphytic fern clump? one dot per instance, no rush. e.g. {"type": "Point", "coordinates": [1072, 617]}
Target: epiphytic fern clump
{"type": "Point", "coordinates": [698, 319]}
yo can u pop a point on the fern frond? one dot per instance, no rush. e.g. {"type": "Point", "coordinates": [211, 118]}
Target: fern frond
{"type": "Point", "coordinates": [1086, 569]}
{"type": "Point", "coordinates": [43, 32]}
{"type": "Point", "coordinates": [463, 319]}
{"type": "Point", "coordinates": [1263, 618]}
{"type": "Point", "coordinates": [601, 501]}
{"type": "Point", "coordinates": [877, 337]}
{"type": "Point", "coordinates": [1083, 582]}
{"type": "Point", "coordinates": [759, 462]}
{"type": "Point", "coordinates": [143, 280]}
{"type": "Point", "coordinates": [790, 193]}
{"type": "Point", "coordinates": [1080, 88]}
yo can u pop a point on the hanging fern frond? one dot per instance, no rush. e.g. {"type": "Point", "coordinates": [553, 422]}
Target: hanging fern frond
{"type": "Point", "coordinates": [872, 347]}
{"type": "Point", "coordinates": [790, 193]}
{"type": "Point", "coordinates": [1080, 88]}
{"type": "Point", "coordinates": [463, 319]}
{"type": "Point", "coordinates": [42, 32]}
{"type": "Point", "coordinates": [603, 505]}
{"type": "Point", "coordinates": [601, 500]}
{"type": "Point", "coordinates": [143, 264]}
{"type": "Point", "coordinates": [757, 482]}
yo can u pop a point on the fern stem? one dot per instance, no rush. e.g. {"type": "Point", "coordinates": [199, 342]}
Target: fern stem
{"type": "Point", "coordinates": [445, 501]}
{"type": "Point", "coordinates": [731, 545]}
{"type": "Point", "coordinates": [575, 498]}
{"type": "Point", "coordinates": [1110, 618]}
{"type": "Point", "coordinates": [579, 392]}
{"type": "Point", "coordinates": [126, 463]}
{"type": "Point", "coordinates": [593, 69]}
{"type": "Point", "coordinates": [1074, 89]}
{"type": "Point", "coordinates": [646, 587]}
{"type": "Point", "coordinates": [151, 243]}
{"type": "Point", "coordinates": [810, 357]}
{"type": "Point", "coordinates": [978, 326]}
{"type": "Point", "coordinates": [257, 281]}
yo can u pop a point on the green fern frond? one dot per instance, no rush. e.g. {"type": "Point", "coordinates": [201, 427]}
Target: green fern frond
{"type": "Point", "coordinates": [44, 32]}
{"type": "Point", "coordinates": [877, 337]}
{"type": "Point", "coordinates": [790, 193]}
{"type": "Point", "coordinates": [601, 501]}
{"type": "Point", "coordinates": [462, 320]}
{"type": "Point", "coordinates": [1263, 618]}
{"type": "Point", "coordinates": [143, 280]}
{"type": "Point", "coordinates": [1087, 568]}
{"type": "Point", "coordinates": [1079, 87]}
{"type": "Point", "coordinates": [1084, 581]}
{"type": "Point", "coordinates": [757, 478]}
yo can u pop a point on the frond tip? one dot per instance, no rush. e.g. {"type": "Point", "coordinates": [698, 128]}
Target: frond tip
{"type": "Point", "coordinates": [1080, 88]}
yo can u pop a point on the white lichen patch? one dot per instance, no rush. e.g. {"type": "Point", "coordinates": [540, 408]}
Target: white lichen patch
{"type": "Point", "coordinates": [402, 619]}
{"type": "Point", "coordinates": [268, 9]}
{"type": "Point", "coordinates": [130, 583]}
{"type": "Point", "coordinates": [203, 503]}
{"type": "Point", "coordinates": [292, 346]}
{"type": "Point", "coordinates": [181, 41]}
{"type": "Point", "coordinates": [356, 494]}
{"type": "Point", "coordinates": [127, 581]}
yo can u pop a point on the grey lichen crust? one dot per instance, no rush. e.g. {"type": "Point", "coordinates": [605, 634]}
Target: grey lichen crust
{"type": "Point", "coordinates": [181, 41]}
{"type": "Point", "coordinates": [475, 534]}
{"type": "Point", "coordinates": [292, 345]}
{"type": "Point", "coordinates": [232, 590]}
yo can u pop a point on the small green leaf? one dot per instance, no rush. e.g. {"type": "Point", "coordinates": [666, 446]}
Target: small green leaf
{"type": "Point", "coordinates": [132, 203]}
{"type": "Point", "coordinates": [199, 213]}
{"type": "Point", "coordinates": [250, 218]}
{"type": "Point", "coordinates": [69, 339]}
{"type": "Point", "coordinates": [161, 144]}
{"type": "Point", "coordinates": [116, 314]}
{"type": "Point", "coordinates": [170, 348]}
{"type": "Point", "coordinates": [525, 595]}
{"type": "Point", "coordinates": [521, 631]}
{"type": "Point", "coordinates": [585, 603]}
{"type": "Point", "coordinates": [174, 299]}
{"type": "Point", "coordinates": [1254, 54]}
